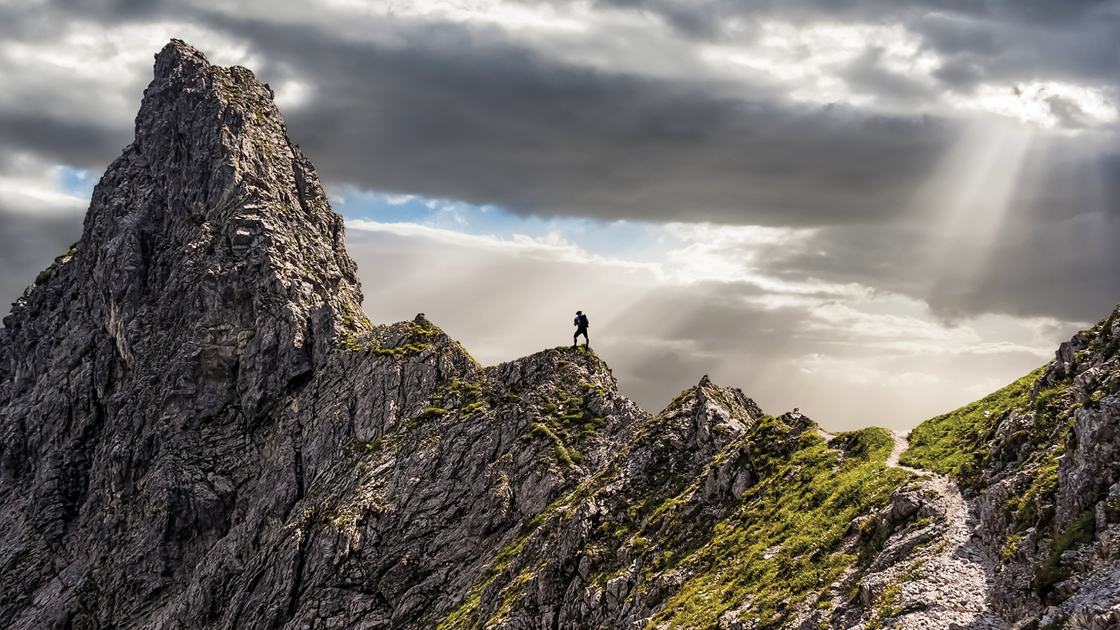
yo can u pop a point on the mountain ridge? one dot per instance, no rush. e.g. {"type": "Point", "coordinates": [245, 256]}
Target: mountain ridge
{"type": "Point", "coordinates": [201, 429]}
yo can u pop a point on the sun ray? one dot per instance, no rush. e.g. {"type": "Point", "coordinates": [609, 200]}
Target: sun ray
{"type": "Point", "coordinates": [968, 200]}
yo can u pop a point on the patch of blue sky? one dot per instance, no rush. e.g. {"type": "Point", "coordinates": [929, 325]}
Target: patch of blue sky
{"type": "Point", "coordinates": [75, 182]}
{"type": "Point", "coordinates": [630, 240]}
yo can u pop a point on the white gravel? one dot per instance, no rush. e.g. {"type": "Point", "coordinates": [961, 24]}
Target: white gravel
{"type": "Point", "coordinates": [955, 573]}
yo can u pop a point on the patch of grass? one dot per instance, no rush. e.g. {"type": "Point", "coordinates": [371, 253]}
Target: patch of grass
{"type": "Point", "coordinates": [804, 514]}
{"type": "Point", "coordinates": [955, 443]}
{"type": "Point", "coordinates": [472, 408]}
{"type": "Point", "coordinates": [1042, 492]}
{"type": "Point", "coordinates": [914, 572]}
{"type": "Point", "coordinates": [1010, 548]}
{"type": "Point", "coordinates": [46, 274]}
{"type": "Point", "coordinates": [411, 349]}
{"type": "Point", "coordinates": [566, 420]}
{"type": "Point", "coordinates": [417, 335]}
{"type": "Point", "coordinates": [886, 607]}
{"type": "Point", "coordinates": [431, 413]}
{"type": "Point", "coordinates": [679, 400]}
{"type": "Point", "coordinates": [352, 319]}
{"type": "Point", "coordinates": [1050, 572]}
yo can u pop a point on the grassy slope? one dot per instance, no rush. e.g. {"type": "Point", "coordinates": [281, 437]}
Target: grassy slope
{"type": "Point", "coordinates": [954, 444]}
{"type": "Point", "coordinates": [964, 443]}
{"type": "Point", "coordinates": [959, 444]}
{"type": "Point", "coordinates": [800, 513]}
{"type": "Point", "coordinates": [776, 547]}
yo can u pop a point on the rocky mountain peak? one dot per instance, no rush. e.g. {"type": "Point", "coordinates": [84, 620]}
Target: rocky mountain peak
{"type": "Point", "coordinates": [147, 369]}
{"type": "Point", "coordinates": [179, 58]}
{"type": "Point", "coordinates": [209, 245]}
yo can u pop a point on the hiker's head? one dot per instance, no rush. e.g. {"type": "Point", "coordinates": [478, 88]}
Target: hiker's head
{"type": "Point", "coordinates": [579, 312]}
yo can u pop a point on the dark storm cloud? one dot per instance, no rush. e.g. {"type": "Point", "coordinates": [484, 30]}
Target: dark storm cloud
{"type": "Point", "coordinates": [1054, 269]}
{"type": "Point", "coordinates": [28, 244]}
{"type": "Point", "coordinates": [492, 123]}
{"type": "Point", "coordinates": [1064, 270]}
{"type": "Point", "coordinates": [78, 144]}
{"type": "Point", "coordinates": [464, 112]}
{"type": "Point", "coordinates": [1053, 255]}
{"type": "Point", "coordinates": [867, 75]}
{"type": "Point", "coordinates": [114, 11]}
{"type": "Point", "coordinates": [60, 117]}
{"type": "Point", "coordinates": [1005, 40]}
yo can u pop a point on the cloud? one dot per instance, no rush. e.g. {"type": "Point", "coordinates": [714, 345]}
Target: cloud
{"type": "Point", "coordinates": [38, 221]}
{"type": "Point", "coordinates": [28, 244]}
{"type": "Point", "coordinates": [839, 118]}
{"type": "Point", "coordinates": [813, 166]}
{"type": "Point", "coordinates": [849, 362]}
{"type": "Point", "coordinates": [552, 248]}
{"type": "Point", "coordinates": [489, 122]}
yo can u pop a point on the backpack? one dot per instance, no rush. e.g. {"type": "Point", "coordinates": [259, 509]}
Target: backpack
{"type": "Point", "coordinates": [583, 321]}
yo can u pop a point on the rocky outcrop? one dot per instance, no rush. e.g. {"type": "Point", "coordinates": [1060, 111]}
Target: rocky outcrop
{"type": "Point", "coordinates": [1092, 464]}
{"type": "Point", "coordinates": [147, 373]}
{"type": "Point", "coordinates": [1043, 474]}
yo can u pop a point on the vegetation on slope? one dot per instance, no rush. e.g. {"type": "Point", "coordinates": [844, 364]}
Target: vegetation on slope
{"type": "Point", "coordinates": [955, 443]}
{"type": "Point", "coordinates": [1025, 429]}
{"type": "Point", "coordinates": [697, 557]}
{"type": "Point", "coordinates": [780, 547]}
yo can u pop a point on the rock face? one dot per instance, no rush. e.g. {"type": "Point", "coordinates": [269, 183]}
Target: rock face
{"type": "Point", "coordinates": [148, 370]}
{"type": "Point", "coordinates": [199, 428]}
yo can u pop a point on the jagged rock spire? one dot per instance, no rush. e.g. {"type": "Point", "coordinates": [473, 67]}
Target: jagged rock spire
{"type": "Point", "coordinates": [146, 369]}
{"type": "Point", "coordinates": [211, 240]}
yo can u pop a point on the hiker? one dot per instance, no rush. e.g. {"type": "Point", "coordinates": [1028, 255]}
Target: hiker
{"type": "Point", "coordinates": [581, 329]}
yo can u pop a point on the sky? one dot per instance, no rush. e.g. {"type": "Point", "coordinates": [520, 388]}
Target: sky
{"type": "Point", "coordinates": [873, 210]}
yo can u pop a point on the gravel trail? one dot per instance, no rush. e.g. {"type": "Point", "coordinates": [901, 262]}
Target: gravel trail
{"type": "Point", "coordinates": [951, 576]}
{"type": "Point", "coordinates": [901, 443]}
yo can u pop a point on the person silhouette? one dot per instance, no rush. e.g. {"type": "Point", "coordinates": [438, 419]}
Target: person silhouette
{"type": "Point", "coordinates": [581, 329]}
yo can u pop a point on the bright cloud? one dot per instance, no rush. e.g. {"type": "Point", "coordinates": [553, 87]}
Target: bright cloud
{"type": "Point", "coordinates": [551, 246]}
{"type": "Point", "coordinates": [809, 58]}
{"type": "Point", "coordinates": [1045, 104]}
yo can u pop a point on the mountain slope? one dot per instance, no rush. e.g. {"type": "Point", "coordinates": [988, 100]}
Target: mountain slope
{"type": "Point", "coordinates": [1042, 459]}
{"type": "Point", "coordinates": [199, 428]}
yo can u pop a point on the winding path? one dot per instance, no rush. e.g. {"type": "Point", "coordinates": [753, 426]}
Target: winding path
{"type": "Point", "coordinates": [955, 575]}
{"type": "Point", "coordinates": [901, 443]}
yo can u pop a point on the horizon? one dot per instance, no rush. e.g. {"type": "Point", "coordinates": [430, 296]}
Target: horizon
{"type": "Point", "coordinates": [874, 213]}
